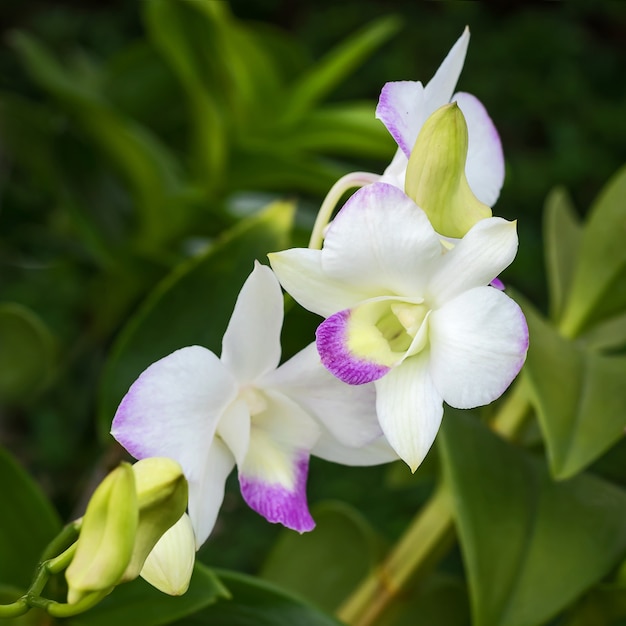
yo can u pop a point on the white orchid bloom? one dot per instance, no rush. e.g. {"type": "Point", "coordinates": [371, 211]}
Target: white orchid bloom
{"type": "Point", "coordinates": [210, 413]}
{"type": "Point", "coordinates": [404, 106]}
{"type": "Point", "coordinates": [409, 313]}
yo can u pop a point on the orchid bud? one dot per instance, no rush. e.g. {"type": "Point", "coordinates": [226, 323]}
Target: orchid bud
{"type": "Point", "coordinates": [162, 499]}
{"type": "Point", "coordinates": [170, 564]}
{"type": "Point", "coordinates": [435, 175]}
{"type": "Point", "coordinates": [107, 536]}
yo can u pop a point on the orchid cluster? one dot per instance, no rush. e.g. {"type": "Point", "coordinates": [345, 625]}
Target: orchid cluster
{"type": "Point", "coordinates": [406, 281]}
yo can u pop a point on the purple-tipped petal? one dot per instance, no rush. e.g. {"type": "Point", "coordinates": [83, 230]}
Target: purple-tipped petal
{"type": "Point", "coordinates": [381, 242]}
{"type": "Point", "coordinates": [332, 345]}
{"type": "Point", "coordinates": [273, 474]}
{"type": "Point", "coordinates": [485, 160]}
{"type": "Point", "coordinates": [278, 504]}
{"type": "Point", "coordinates": [400, 108]}
{"type": "Point", "coordinates": [496, 283]}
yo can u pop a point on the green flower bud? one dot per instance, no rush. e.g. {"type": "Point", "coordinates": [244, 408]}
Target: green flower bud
{"type": "Point", "coordinates": [107, 536]}
{"type": "Point", "coordinates": [162, 499]}
{"type": "Point", "coordinates": [435, 175]}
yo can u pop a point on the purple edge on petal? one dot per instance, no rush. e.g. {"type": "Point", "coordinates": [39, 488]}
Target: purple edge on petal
{"type": "Point", "coordinates": [332, 346]}
{"type": "Point", "coordinates": [123, 421]}
{"type": "Point", "coordinates": [276, 503]}
{"type": "Point", "coordinates": [387, 113]}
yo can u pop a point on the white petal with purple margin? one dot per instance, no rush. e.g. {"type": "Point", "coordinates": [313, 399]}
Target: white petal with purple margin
{"type": "Point", "coordinates": [273, 475]}
{"type": "Point", "coordinates": [478, 346]}
{"type": "Point", "coordinates": [401, 109]}
{"type": "Point", "coordinates": [485, 161]}
{"type": "Point", "coordinates": [379, 240]}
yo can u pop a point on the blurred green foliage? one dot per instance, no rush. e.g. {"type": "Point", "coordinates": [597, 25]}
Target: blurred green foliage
{"type": "Point", "coordinates": [138, 143]}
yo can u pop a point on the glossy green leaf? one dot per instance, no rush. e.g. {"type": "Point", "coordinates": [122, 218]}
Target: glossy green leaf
{"type": "Point", "coordinates": [604, 605]}
{"type": "Point", "coordinates": [530, 545]}
{"type": "Point", "coordinates": [320, 80]}
{"type": "Point", "coordinates": [26, 353]}
{"type": "Point", "coordinates": [193, 304]}
{"type": "Point", "coordinates": [599, 283]}
{"type": "Point", "coordinates": [149, 169]}
{"type": "Point", "coordinates": [344, 547]}
{"type": "Point", "coordinates": [578, 395]}
{"type": "Point", "coordinates": [27, 523]}
{"type": "Point", "coordinates": [257, 603]}
{"type": "Point", "coordinates": [140, 604]}
{"type": "Point", "coordinates": [610, 334]}
{"type": "Point", "coordinates": [562, 232]}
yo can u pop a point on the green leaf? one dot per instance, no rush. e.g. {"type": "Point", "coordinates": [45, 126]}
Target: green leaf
{"type": "Point", "coordinates": [599, 282]}
{"type": "Point", "coordinates": [150, 170]}
{"type": "Point", "coordinates": [336, 66]}
{"type": "Point", "coordinates": [441, 600]}
{"type": "Point", "coordinates": [530, 545]}
{"type": "Point", "coordinates": [27, 523]}
{"type": "Point", "coordinates": [562, 233]}
{"type": "Point", "coordinates": [257, 603]}
{"type": "Point", "coordinates": [27, 353]}
{"type": "Point", "coordinates": [140, 604]}
{"type": "Point", "coordinates": [578, 395]}
{"type": "Point", "coordinates": [344, 547]}
{"type": "Point", "coordinates": [193, 304]}
{"type": "Point", "coordinates": [347, 129]}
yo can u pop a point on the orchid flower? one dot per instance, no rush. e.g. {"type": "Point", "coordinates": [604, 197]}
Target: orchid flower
{"type": "Point", "coordinates": [403, 108]}
{"type": "Point", "coordinates": [210, 413]}
{"type": "Point", "coordinates": [408, 313]}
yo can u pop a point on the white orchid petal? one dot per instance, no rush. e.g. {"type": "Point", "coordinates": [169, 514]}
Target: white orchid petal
{"type": "Point", "coordinates": [251, 344]}
{"type": "Point", "coordinates": [174, 406]}
{"type": "Point", "coordinates": [488, 248]}
{"type": "Point", "coordinates": [375, 453]}
{"type": "Point", "coordinates": [485, 161]}
{"type": "Point", "coordinates": [347, 411]}
{"type": "Point", "coordinates": [401, 109]}
{"type": "Point", "coordinates": [234, 429]}
{"type": "Point", "coordinates": [395, 172]}
{"type": "Point", "coordinates": [381, 242]}
{"type": "Point", "coordinates": [206, 488]}
{"type": "Point", "coordinates": [409, 409]}
{"type": "Point", "coordinates": [273, 475]}
{"type": "Point", "coordinates": [441, 86]}
{"type": "Point", "coordinates": [169, 565]}
{"type": "Point", "coordinates": [478, 346]}
{"type": "Point", "coordinates": [299, 271]}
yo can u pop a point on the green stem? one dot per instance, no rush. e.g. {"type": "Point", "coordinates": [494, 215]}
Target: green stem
{"type": "Point", "coordinates": [428, 537]}
{"type": "Point", "coordinates": [349, 181]}
{"type": "Point", "coordinates": [15, 609]}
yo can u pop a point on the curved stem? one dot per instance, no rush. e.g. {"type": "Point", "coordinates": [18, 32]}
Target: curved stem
{"type": "Point", "coordinates": [428, 537]}
{"type": "Point", "coordinates": [349, 181]}
{"type": "Point", "coordinates": [15, 609]}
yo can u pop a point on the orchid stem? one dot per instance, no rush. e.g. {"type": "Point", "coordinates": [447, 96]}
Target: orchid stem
{"type": "Point", "coordinates": [429, 536]}
{"type": "Point", "coordinates": [349, 181]}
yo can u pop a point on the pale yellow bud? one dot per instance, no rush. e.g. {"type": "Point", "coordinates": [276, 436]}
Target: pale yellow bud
{"type": "Point", "coordinates": [435, 175]}
{"type": "Point", "coordinates": [170, 564]}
